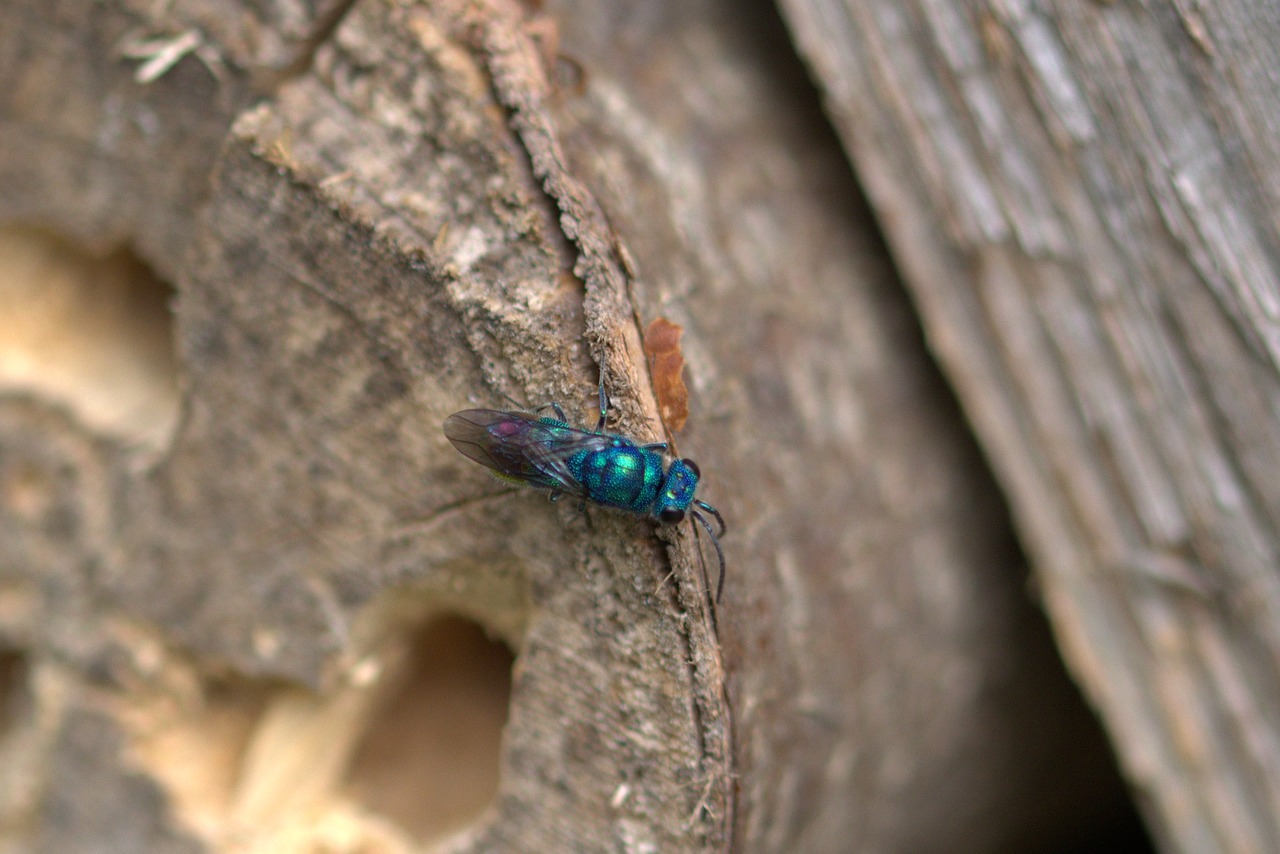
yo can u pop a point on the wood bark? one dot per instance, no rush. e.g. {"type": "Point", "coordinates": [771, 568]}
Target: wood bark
{"type": "Point", "coordinates": [1083, 198]}
{"type": "Point", "coordinates": [246, 588]}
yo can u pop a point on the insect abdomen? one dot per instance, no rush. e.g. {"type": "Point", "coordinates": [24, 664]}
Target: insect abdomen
{"type": "Point", "coordinates": [624, 477]}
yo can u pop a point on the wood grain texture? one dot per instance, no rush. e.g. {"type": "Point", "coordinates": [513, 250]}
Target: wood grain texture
{"type": "Point", "coordinates": [374, 220]}
{"type": "Point", "coordinates": [1083, 198]}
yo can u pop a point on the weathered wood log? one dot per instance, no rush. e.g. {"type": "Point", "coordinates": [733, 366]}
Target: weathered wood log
{"type": "Point", "coordinates": [255, 601]}
{"type": "Point", "coordinates": [1083, 198]}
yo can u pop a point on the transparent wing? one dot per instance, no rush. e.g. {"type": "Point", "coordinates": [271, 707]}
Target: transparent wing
{"type": "Point", "coordinates": [523, 447]}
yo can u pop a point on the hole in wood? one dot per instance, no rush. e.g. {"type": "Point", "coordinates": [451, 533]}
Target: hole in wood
{"type": "Point", "coordinates": [15, 699]}
{"type": "Point", "coordinates": [92, 334]}
{"type": "Point", "coordinates": [430, 757]}
{"type": "Point", "coordinates": [23, 757]}
{"type": "Point", "coordinates": [403, 750]}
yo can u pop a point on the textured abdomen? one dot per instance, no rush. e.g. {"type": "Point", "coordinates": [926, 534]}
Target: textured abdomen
{"type": "Point", "coordinates": [623, 477]}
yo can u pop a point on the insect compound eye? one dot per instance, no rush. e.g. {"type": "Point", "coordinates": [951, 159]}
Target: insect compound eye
{"type": "Point", "coordinates": [692, 466]}
{"type": "Point", "coordinates": [671, 515]}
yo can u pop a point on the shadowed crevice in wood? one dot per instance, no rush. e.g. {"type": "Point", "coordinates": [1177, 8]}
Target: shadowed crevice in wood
{"type": "Point", "coordinates": [14, 692]}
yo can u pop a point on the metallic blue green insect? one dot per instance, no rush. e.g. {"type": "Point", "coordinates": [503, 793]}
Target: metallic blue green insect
{"type": "Point", "coordinates": [604, 468]}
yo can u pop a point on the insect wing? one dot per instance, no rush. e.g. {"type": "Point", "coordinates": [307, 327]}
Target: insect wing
{"type": "Point", "coordinates": [500, 441]}
{"type": "Point", "coordinates": [551, 456]}
{"type": "Point", "coordinates": [520, 446]}
{"type": "Point", "coordinates": [472, 433]}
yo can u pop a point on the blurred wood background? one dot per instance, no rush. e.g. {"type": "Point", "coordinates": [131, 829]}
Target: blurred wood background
{"type": "Point", "coordinates": [980, 314]}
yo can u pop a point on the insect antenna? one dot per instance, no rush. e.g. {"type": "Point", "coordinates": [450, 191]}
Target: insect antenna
{"type": "Point", "coordinates": [715, 541]}
{"type": "Point", "coordinates": [511, 400]}
{"type": "Point", "coordinates": [714, 512]}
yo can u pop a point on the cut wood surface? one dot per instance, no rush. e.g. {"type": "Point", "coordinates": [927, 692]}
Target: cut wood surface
{"type": "Point", "coordinates": [1083, 199]}
{"type": "Point", "coordinates": [252, 600]}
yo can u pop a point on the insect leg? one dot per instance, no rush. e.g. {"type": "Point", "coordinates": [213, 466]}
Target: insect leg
{"type": "Point", "coordinates": [554, 407]}
{"type": "Point", "coordinates": [604, 405]}
{"type": "Point", "coordinates": [715, 541]}
{"type": "Point", "coordinates": [714, 512]}
{"type": "Point", "coordinates": [656, 446]}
